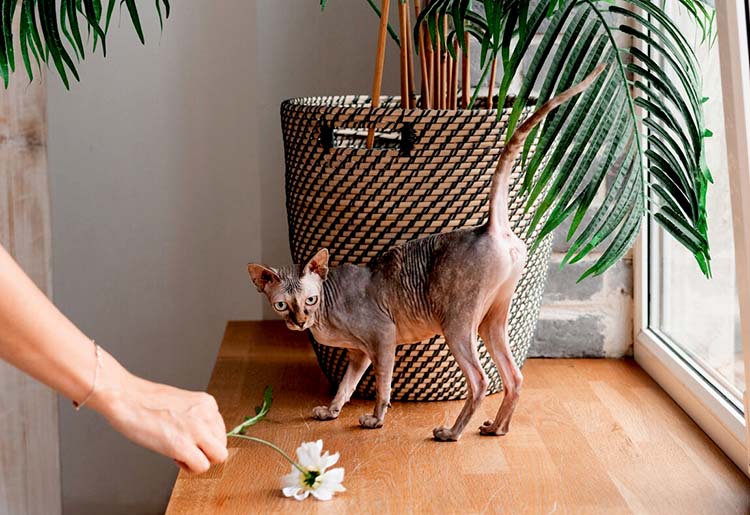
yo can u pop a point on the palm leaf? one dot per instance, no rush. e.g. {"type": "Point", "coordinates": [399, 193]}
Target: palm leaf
{"type": "Point", "coordinates": [52, 30]}
{"type": "Point", "coordinates": [635, 138]}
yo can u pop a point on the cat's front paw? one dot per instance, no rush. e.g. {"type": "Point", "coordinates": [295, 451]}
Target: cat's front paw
{"type": "Point", "coordinates": [324, 413]}
{"type": "Point", "coordinates": [444, 434]}
{"type": "Point", "coordinates": [370, 422]}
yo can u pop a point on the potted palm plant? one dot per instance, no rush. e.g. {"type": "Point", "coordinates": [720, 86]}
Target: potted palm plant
{"type": "Point", "coordinates": [367, 172]}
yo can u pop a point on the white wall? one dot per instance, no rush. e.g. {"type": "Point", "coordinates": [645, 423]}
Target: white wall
{"type": "Point", "coordinates": [166, 172]}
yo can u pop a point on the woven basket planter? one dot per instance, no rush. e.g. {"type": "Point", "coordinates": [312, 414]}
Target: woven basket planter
{"type": "Point", "coordinates": [429, 172]}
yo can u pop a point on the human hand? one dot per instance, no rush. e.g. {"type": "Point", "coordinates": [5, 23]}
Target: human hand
{"type": "Point", "coordinates": [183, 425]}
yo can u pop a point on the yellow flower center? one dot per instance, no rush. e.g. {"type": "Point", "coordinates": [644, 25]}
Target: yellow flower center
{"type": "Point", "coordinates": [310, 478]}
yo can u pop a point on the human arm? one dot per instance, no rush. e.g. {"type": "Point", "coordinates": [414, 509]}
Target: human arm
{"type": "Point", "coordinates": [38, 339]}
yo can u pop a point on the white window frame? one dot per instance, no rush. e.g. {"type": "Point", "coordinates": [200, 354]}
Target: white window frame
{"type": "Point", "coordinates": [673, 370]}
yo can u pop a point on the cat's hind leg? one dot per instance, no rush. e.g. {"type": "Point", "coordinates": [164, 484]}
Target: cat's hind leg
{"type": "Point", "coordinates": [358, 363]}
{"type": "Point", "coordinates": [494, 332]}
{"type": "Point", "coordinates": [462, 342]}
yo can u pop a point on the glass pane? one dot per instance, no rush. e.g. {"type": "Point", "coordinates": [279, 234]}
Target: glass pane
{"type": "Point", "coordinates": [700, 317]}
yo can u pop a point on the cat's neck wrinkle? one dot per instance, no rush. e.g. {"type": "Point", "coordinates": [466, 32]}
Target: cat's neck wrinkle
{"type": "Point", "coordinates": [330, 296]}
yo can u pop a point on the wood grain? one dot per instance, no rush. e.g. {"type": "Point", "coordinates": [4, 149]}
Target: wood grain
{"type": "Point", "coordinates": [589, 436]}
{"type": "Point", "coordinates": [29, 448]}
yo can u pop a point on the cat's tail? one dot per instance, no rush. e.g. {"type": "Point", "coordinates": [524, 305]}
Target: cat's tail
{"type": "Point", "coordinates": [498, 219]}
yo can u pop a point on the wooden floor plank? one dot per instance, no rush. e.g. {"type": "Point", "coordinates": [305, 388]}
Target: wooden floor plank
{"type": "Point", "coordinates": [589, 436]}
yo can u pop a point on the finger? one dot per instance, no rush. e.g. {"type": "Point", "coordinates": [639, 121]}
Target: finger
{"type": "Point", "coordinates": [218, 434]}
{"type": "Point", "coordinates": [222, 425]}
{"type": "Point", "coordinates": [194, 459]}
{"type": "Point", "coordinates": [215, 424]}
{"type": "Point", "coordinates": [220, 430]}
{"type": "Point", "coordinates": [213, 449]}
{"type": "Point", "coordinates": [181, 465]}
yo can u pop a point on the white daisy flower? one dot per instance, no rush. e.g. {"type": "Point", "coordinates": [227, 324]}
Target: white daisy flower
{"type": "Point", "coordinates": [312, 475]}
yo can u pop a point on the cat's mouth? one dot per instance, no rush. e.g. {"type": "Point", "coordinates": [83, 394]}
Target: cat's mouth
{"type": "Point", "coordinates": [296, 327]}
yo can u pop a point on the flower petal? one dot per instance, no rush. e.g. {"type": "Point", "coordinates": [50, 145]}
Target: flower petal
{"type": "Point", "coordinates": [322, 494]}
{"type": "Point", "coordinates": [308, 454]}
{"type": "Point", "coordinates": [301, 495]}
{"type": "Point", "coordinates": [328, 460]}
{"type": "Point", "coordinates": [290, 491]}
{"type": "Point", "coordinates": [332, 480]}
{"type": "Point", "coordinates": [293, 479]}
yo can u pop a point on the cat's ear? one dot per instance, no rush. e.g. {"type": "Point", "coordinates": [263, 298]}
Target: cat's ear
{"type": "Point", "coordinates": [318, 264]}
{"type": "Point", "coordinates": [262, 276]}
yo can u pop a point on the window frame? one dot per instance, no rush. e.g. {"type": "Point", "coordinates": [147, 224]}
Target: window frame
{"type": "Point", "coordinates": [705, 402]}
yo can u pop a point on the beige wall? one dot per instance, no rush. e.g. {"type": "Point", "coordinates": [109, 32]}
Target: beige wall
{"type": "Point", "coordinates": [166, 173]}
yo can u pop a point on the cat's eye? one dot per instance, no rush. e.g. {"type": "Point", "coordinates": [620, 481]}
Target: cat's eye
{"type": "Point", "coordinates": [311, 301]}
{"type": "Point", "coordinates": [279, 306]}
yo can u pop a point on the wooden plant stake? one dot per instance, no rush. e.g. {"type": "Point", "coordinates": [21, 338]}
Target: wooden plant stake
{"type": "Point", "coordinates": [446, 66]}
{"type": "Point", "coordinates": [404, 54]}
{"type": "Point", "coordinates": [379, 63]}
{"type": "Point", "coordinates": [448, 79]}
{"type": "Point", "coordinates": [454, 77]}
{"type": "Point", "coordinates": [429, 82]}
{"type": "Point", "coordinates": [441, 68]}
{"type": "Point", "coordinates": [410, 55]}
{"type": "Point", "coordinates": [493, 71]}
{"type": "Point", "coordinates": [424, 55]}
{"type": "Point", "coordinates": [438, 80]}
{"type": "Point", "coordinates": [465, 73]}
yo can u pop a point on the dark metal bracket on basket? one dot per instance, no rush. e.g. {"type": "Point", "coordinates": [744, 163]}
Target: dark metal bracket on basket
{"type": "Point", "coordinates": [403, 139]}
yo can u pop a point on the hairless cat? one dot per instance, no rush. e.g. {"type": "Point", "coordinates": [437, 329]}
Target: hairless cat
{"type": "Point", "coordinates": [459, 284]}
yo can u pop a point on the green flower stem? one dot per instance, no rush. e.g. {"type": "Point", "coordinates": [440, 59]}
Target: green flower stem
{"type": "Point", "coordinates": [296, 465]}
{"type": "Point", "coordinates": [237, 431]}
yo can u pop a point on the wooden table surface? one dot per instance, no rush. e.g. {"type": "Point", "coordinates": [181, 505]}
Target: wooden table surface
{"type": "Point", "coordinates": [589, 436]}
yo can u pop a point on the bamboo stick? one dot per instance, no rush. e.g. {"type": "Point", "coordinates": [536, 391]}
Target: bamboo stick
{"type": "Point", "coordinates": [454, 77]}
{"type": "Point", "coordinates": [379, 62]}
{"type": "Point", "coordinates": [436, 72]}
{"type": "Point", "coordinates": [425, 74]}
{"type": "Point", "coordinates": [410, 54]}
{"type": "Point", "coordinates": [444, 68]}
{"type": "Point", "coordinates": [430, 79]}
{"type": "Point", "coordinates": [448, 79]}
{"type": "Point", "coordinates": [493, 71]}
{"type": "Point", "coordinates": [466, 73]}
{"type": "Point", "coordinates": [404, 52]}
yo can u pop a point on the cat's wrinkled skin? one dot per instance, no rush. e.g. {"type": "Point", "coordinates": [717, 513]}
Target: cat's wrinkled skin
{"type": "Point", "coordinates": [458, 284]}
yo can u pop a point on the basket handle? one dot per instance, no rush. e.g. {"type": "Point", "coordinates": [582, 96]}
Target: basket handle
{"type": "Point", "coordinates": [407, 137]}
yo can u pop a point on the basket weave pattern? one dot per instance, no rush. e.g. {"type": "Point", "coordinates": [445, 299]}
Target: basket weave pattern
{"type": "Point", "coordinates": [358, 202]}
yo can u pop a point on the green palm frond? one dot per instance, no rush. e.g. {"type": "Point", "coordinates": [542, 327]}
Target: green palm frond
{"type": "Point", "coordinates": [635, 138]}
{"type": "Point", "coordinates": [51, 32]}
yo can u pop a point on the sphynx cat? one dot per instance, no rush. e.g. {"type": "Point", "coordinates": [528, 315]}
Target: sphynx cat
{"type": "Point", "coordinates": [458, 284]}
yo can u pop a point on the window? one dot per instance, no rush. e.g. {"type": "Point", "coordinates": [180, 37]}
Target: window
{"type": "Point", "coordinates": [689, 331]}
